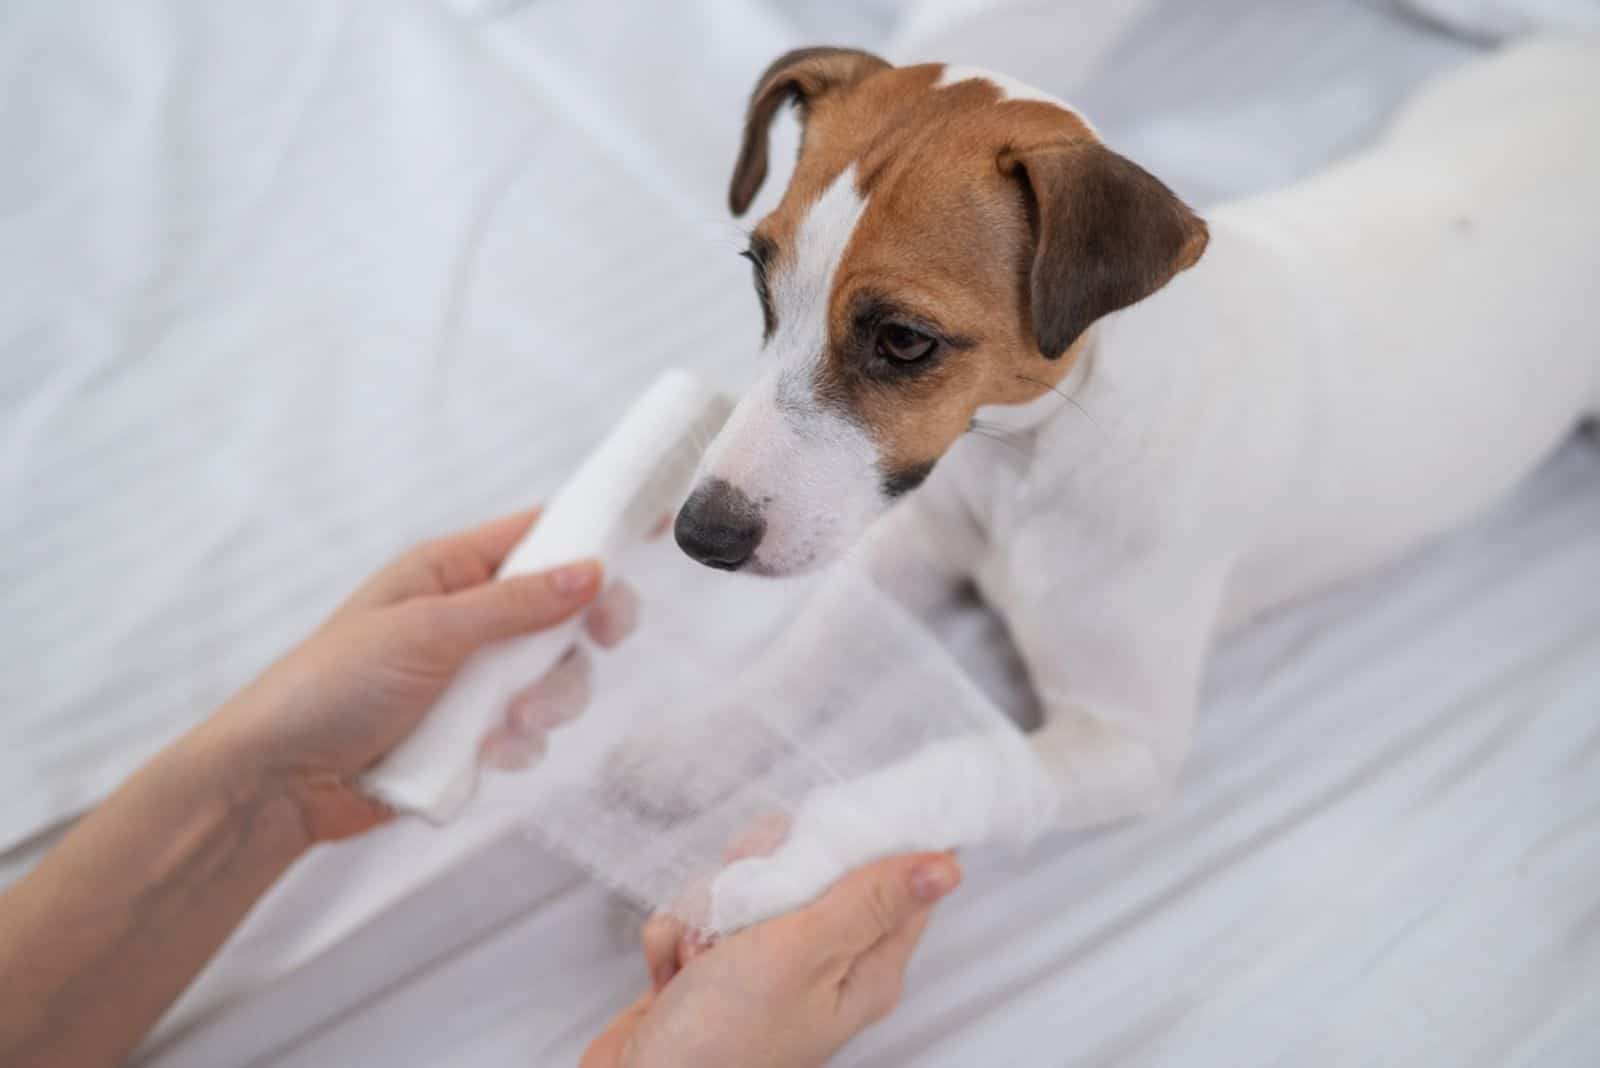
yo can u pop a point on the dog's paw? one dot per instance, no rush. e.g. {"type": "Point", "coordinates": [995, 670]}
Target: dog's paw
{"type": "Point", "coordinates": [762, 888]}
{"type": "Point", "coordinates": [956, 792]}
{"type": "Point", "coordinates": [830, 836]}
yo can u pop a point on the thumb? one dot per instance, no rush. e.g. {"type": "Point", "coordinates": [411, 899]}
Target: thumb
{"type": "Point", "coordinates": [609, 1050]}
{"type": "Point", "coordinates": [505, 608]}
{"type": "Point", "coordinates": [875, 902]}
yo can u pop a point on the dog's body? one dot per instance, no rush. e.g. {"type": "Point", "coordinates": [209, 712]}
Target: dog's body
{"type": "Point", "coordinates": [1445, 332]}
{"type": "Point", "coordinates": [1353, 365]}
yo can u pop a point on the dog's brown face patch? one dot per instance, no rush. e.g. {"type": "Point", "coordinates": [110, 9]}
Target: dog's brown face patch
{"type": "Point", "coordinates": [943, 247]}
{"type": "Point", "coordinates": [940, 248]}
{"type": "Point", "coordinates": [940, 267]}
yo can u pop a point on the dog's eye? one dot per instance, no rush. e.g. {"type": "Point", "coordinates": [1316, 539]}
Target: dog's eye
{"type": "Point", "coordinates": [758, 268]}
{"type": "Point", "coordinates": [903, 344]}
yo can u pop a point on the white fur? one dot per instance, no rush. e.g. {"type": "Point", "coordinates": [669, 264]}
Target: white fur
{"type": "Point", "coordinates": [1010, 88]}
{"type": "Point", "coordinates": [1358, 363]}
{"type": "Point", "coordinates": [813, 473]}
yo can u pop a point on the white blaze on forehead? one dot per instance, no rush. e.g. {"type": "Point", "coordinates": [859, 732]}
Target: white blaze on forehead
{"type": "Point", "coordinates": [802, 282]}
{"type": "Point", "coordinates": [1009, 87]}
{"type": "Point", "coordinates": [810, 468]}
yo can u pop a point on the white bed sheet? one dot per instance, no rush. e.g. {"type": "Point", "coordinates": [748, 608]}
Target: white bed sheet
{"type": "Point", "coordinates": [289, 287]}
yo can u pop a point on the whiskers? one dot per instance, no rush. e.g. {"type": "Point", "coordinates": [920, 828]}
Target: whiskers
{"type": "Point", "coordinates": [1011, 438]}
{"type": "Point", "coordinates": [1069, 398]}
{"type": "Point", "coordinates": [1020, 440]}
{"type": "Point", "coordinates": [725, 234]}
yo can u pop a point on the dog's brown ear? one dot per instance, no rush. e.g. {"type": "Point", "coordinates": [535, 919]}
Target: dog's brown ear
{"type": "Point", "coordinates": [802, 76]}
{"type": "Point", "coordinates": [1107, 234]}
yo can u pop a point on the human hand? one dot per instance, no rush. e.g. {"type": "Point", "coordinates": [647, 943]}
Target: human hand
{"type": "Point", "coordinates": [788, 993]}
{"type": "Point", "coordinates": [334, 706]}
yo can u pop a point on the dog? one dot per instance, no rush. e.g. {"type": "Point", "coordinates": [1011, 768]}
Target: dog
{"type": "Point", "coordinates": [1205, 418]}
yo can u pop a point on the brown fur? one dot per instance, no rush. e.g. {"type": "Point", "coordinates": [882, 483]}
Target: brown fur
{"type": "Point", "coordinates": [1004, 226]}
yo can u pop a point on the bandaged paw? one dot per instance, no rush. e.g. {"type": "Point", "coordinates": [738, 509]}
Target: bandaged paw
{"type": "Point", "coordinates": [951, 793]}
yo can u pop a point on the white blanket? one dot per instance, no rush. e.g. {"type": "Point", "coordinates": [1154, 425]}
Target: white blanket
{"type": "Point", "coordinates": [287, 287]}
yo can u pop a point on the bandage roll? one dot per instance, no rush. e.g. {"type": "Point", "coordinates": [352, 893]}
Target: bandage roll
{"type": "Point", "coordinates": [639, 473]}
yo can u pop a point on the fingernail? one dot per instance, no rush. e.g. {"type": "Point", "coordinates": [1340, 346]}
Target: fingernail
{"type": "Point", "coordinates": [930, 882]}
{"type": "Point", "coordinates": [695, 942]}
{"type": "Point", "coordinates": [505, 750]}
{"type": "Point", "coordinates": [499, 753]}
{"type": "Point", "coordinates": [554, 699]}
{"type": "Point", "coordinates": [573, 579]}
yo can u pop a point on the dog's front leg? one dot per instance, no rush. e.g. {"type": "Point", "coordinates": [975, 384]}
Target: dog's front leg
{"type": "Point", "coordinates": [1117, 673]}
{"type": "Point", "coordinates": [926, 547]}
{"type": "Point", "coordinates": [1117, 665]}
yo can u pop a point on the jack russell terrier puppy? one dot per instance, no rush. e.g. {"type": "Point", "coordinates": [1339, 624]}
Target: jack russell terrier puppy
{"type": "Point", "coordinates": [1210, 417]}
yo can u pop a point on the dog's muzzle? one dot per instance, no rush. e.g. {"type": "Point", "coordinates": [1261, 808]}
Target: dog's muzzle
{"type": "Point", "coordinates": [719, 526]}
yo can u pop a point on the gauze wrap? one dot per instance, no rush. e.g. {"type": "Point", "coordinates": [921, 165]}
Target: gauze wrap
{"type": "Point", "coordinates": [839, 717]}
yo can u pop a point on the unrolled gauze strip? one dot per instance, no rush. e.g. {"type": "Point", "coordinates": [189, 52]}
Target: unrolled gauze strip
{"type": "Point", "coordinates": [639, 473]}
{"type": "Point", "coordinates": [848, 732]}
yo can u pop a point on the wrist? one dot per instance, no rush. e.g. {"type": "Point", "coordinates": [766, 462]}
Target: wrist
{"type": "Point", "coordinates": [228, 767]}
{"type": "Point", "coordinates": [270, 765]}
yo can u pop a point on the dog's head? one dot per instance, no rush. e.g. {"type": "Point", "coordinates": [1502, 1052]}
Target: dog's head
{"type": "Point", "coordinates": [945, 241]}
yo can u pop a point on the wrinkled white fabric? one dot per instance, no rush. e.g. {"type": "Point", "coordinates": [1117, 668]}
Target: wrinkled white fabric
{"type": "Point", "coordinates": [291, 286]}
{"type": "Point", "coordinates": [1499, 20]}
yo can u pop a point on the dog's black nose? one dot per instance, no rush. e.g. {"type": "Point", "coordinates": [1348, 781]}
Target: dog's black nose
{"type": "Point", "coordinates": [719, 526]}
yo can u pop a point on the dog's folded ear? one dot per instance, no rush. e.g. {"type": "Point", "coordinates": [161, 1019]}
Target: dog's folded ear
{"type": "Point", "coordinates": [1107, 234]}
{"type": "Point", "coordinates": [802, 76]}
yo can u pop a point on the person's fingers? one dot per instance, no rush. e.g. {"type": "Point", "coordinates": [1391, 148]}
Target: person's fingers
{"type": "Point", "coordinates": [871, 988]}
{"type": "Point", "coordinates": [504, 749]}
{"type": "Point", "coordinates": [495, 611]}
{"type": "Point", "coordinates": [334, 809]}
{"type": "Point", "coordinates": [613, 615]}
{"type": "Point", "coordinates": [659, 940]}
{"type": "Point", "coordinates": [872, 903]}
{"type": "Point", "coordinates": [493, 541]}
{"type": "Point", "coordinates": [760, 839]}
{"type": "Point", "coordinates": [690, 912]}
{"type": "Point", "coordinates": [695, 941]}
{"type": "Point", "coordinates": [668, 941]}
{"type": "Point", "coordinates": [608, 1050]}
{"type": "Point", "coordinates": [471, 558]}
{"type": "Point", "coordinates": [556, 698]}
{"type": "Point", "coordinates": [443, 565]}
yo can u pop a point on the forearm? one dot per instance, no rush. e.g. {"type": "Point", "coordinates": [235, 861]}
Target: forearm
{"type": "Point", "coordinates": [100, 939]}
